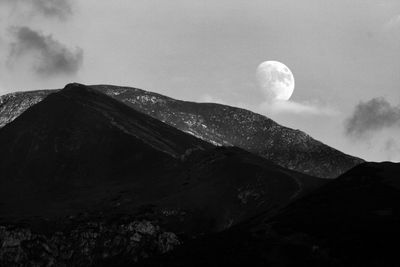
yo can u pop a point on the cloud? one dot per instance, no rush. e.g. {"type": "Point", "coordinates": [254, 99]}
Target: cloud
{"type": "Point", "coordinates": [372, 116]}
{"type": "Point", "coordinates": [49, 8]}
{"type": "Point", "coordinates": [48, 56]}
{"type": "Point", "coordinates": [279, 106]}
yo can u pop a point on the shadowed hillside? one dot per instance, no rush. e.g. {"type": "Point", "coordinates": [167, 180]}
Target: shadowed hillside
{"type": "Point", "coordinates": [220, 125]}
{"type": "Point", "coordinates": [351, 221]}
{"type": "Point", "coordinates": [84, 165]}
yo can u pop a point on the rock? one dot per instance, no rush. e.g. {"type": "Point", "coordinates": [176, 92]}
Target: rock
{"type": "Point", "coordinates": [167, 241]}
{"type": "Point", "coordinates": [88, 244]}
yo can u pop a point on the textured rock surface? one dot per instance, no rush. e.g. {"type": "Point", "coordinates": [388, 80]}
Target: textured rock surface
{"type": "Point", "coordinates": [14, 104]}
{"type": "Point", "coordinates": [219, 125]}
{"type": "Point", "coordinates": [88, 244]}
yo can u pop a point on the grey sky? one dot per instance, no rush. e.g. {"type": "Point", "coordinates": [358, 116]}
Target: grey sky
{"type": "Point", "coordinates": [341, 52]}
{"type": "Point", "coordinates": [51, 8]}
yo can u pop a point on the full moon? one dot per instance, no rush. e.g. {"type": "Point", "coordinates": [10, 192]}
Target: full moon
{"type": "Point", "coordinates": [276, 80]}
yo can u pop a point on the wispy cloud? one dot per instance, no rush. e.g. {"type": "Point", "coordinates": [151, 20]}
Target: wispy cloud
{"type": "Point", "coordinates": [277, 106]}
{"type": "Point", "coordinates": [372, 116]}
{"type": "Point", "coordinates": [48, 56]}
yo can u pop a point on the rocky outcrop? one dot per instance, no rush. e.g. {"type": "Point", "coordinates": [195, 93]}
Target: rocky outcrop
{"type": "Point", "coordinates": [14, 104]}
{"type": "Point", "coordinates": [88, 244]}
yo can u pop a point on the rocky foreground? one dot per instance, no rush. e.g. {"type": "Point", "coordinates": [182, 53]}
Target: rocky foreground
{"type": "Point", "coordinates": [86, 244]}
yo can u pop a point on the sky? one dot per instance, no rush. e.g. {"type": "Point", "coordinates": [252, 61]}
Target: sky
{"type": "Point", "coordinates": [344, 56]}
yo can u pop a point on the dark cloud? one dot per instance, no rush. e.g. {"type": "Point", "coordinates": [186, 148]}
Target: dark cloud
{"type": "Point", "coordinates": [372, 116]}
{"type": "Point", "coordinates": [49, 8]}
{"type": "Point", "coordinates": [50, 56]}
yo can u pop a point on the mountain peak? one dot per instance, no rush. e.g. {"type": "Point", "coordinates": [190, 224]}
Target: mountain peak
{"type": "Point", "coordinates": [215, 123]}
{"type": "Point", "coordinates": [74, 85]}
{"type": "Point", "coordinates": [79, 89]}
{"type": "Point", "coordinates": [79, 147]}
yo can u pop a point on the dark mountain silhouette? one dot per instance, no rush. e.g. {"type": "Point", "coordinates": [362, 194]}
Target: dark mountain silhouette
{"type": "Point", "coordinates": [351, 221]}
{"type": "Point", "coordinates": [83, 155]}
{"type": "Point", "coordinates": [217, 124]}
{"type": "Point", "coordinates": [87, 180]}
{"type": "Point", "coordinates": [78, 148]}
{"type": "Point", "coordinates": [361, 209]}
{"type": "Point", "coordinates": [79, 138]}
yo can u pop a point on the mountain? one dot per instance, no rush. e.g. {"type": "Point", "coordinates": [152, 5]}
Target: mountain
{"type": "Point", "coordinates": [78, 138]}
{"type": "Point", "coordinates": [82, 172]}
{"type": "Point", "coordinates": [351, 221]}
{"type": "Point", "coordinates": [361, 209]}
{"type": "Point", "coordinates": [14, 104]}
{"type": "Point", "coordinates": [219, 125]}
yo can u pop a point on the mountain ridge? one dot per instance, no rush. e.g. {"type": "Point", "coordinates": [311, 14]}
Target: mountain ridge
{"type": "Point", "coordinates": [89, 181]}
{"type": "Point", "coordinates": [82, 142]}
{"type": "Point", "coordinates": [218, 124]}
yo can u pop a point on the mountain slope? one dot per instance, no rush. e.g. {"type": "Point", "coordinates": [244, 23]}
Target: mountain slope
{"type": "Point", "coordinates": [220, 125]}
{"type": "Point", "coordinates": [361, 209]}
{"type": "Point", "coordinates": [77, 140]}
{"type": "Point", "coordinates": [14, 104]}
{"type": "Point", "coordinates": [351, 221]}
{"type": "Point", "coordinates": [88, 181]}
{"type": "Point", "coordinates": [78, 149]}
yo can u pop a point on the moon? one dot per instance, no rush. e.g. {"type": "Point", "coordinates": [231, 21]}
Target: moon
{"type": "Point", "coordinates": [276, 80]}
